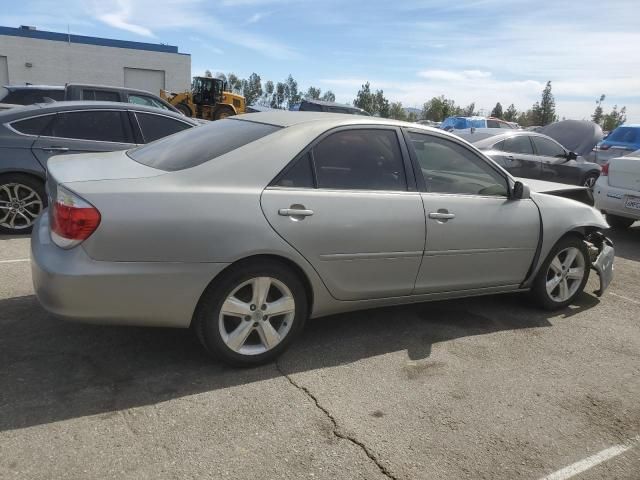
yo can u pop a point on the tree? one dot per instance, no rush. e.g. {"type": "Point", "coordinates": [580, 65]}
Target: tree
{"type": "Point", "coordinates": [397, 111]}
{"type": "Point", "coordinates": [547, 107]}
{"type": "Point", "coordinates": [328, 96]}
{"type": "Point", "coordinates": [412, 117]}
{"type": "Point", "coordinates": [291, 94]}
{"type": "Point", "coordinates": [614, 119]}
{"type": "Point", "coordinates": [267, 93]}
{"type": "Point", "coordinates": [598, 113]}
{"type": "Point", "coordinates": [365, 99]}
{"type": "Point", "coordinates": [439, 108]}
{"type": "Point", "coordinates": [313, 93]}
{"type": "Point", "coordinates": [252, 88]}
{"type": "Point", "coordinates": [221, 76]}
{"type": "Point", "coordinates": [279, 95]}
{"type": "Point", "coordinates": [497, 111]}
{"type": "Point", "coordinates": [470, 110]}
{"type": "Point", "coordinates": [382, 106]}
{"type": "Point", "coordinates": [208, 74]}
{"type": "Point", "coordinates": [234, 83]}
{"type": "Point", "coordinates": [511, 115]}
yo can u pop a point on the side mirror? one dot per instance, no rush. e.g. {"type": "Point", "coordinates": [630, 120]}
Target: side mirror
{"type": "Point", "coordinates": [520, 191]}
{"type": "Point", "coordinates": [572, 156]}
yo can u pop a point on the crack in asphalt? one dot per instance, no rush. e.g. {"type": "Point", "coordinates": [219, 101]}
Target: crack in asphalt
{"type": "Point", "coordinates": [336, 429]}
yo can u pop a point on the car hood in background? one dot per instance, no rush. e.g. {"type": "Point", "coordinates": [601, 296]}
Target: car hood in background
{"type": "Point", "coordinates": [579, 136]}
{"type": "Point", "coordinates": [542, 186]}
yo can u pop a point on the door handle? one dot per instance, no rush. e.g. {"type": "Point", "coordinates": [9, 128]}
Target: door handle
{"type": "Point", "coordinates": [295, 212]}
{"type": "Point", "coordinates": [55, 149]}
{"type": "Point", "coordinates": [442, 215]}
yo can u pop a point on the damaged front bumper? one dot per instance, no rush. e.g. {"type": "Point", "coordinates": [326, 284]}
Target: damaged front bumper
{"type": "Point", "coordinates": [602, 255]}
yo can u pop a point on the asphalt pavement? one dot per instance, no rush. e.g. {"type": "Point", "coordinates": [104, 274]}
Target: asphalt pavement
{"type": "Point", "coordinates": [488, 388]}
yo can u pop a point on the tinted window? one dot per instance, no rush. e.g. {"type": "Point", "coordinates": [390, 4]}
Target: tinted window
{"type": "Point", "coordinates": [157, 126]}
{"type": "Point", "coordinates": [201, 144]}
{"type": "Point", "coordinates": [34, 125]}
{"type": "Point", "coordinates": [499, 146]}
{"type": "Point", "coordinates": [360, 160]}
{"type": "Point", "coordinates": [105, 126]}
{"type": "Point", "coordinates": [493, 124]}
{"type": "Point", "coordinates": [625, 134]}
{"type": "Point", "coordinates": [518, 144]}
{"type": "Point", "coordinates": [100, 95]}
{"type": "Point", "coordinates": [29, 96]}
{"type": "Point", "coordinates": [310, 107]}
{"type": "Point", "coordinates": [450, 168]}
{"type": "Point", "coordinates": [548, 148]}
{"type": "Point", "coordinates": [146, 100]}
{"type": "Point", "coordinates": [299, 175]}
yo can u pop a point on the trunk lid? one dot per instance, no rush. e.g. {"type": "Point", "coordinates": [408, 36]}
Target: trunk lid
{"type": "Point", "coordinates": [624, 172]}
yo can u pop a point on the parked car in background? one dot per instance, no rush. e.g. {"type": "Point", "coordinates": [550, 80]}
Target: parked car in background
{"type": "Point", "coordinates": [465, 123]}
{"type": "Point", "coordinates": [15, 95]}
{"type": "Point", "coordinates": [30, 135]}
{"type": "Point", "coordinates": [245, 227]}
{"type": "Point", "coordinates": [533, 155]}
{"type": "Point", "coordinates": [106, 93]}
{"type": "Point", "coordinates": [330, 107]}
{"type": "Point", "coordinates": [617, 191]}
{"type": "Point", "coordinates": [622, 141]}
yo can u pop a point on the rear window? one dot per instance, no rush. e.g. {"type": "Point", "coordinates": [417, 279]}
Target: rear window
{"type": "Point", "coordinates": [198, 145]}
{"type": "Point", "coordinates": [29, 96]}
{"type": "Point", "coordinates": [625, 134]}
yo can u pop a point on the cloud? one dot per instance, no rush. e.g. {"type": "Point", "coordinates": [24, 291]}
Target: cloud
{"type": "Point", "coordinates": [118, 20]}
{"type": "Point", "coordinates": [453, 75]}
{"type": "Point", "coordinates": [255, 18]}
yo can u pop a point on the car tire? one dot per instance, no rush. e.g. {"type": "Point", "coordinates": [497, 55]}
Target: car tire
{"type": "Point", "coordinates": [561, 279]}
{"type": "Point", "coordinates": [590, 179]}
{"type": "Point", "coordinates": [184, 109]}
{"type": "Point", "coordinates": [243, 337]}
{"type": "Point", "coordinates": [224, 112]}
{"type": "Point", "coordinates": [621, 223]}
{"type": "Point", "coordinates": [22, 200]}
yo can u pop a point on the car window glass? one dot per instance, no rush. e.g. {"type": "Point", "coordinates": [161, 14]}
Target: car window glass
{"type": "Point", "coordinates": [157, 126]}
{"type": "Point", "coordinates": [360, 159]}
{"type": "Point", "coordinates": [201, 144]}
{"type": "Point", "coordinates": [450, 168]}
{"type": "Point", "coordinates": [105, 126]}
{"type": "Point", "coordinates": [34, 125]}
{"type": "Point", "coordinates": [100, 95]}
{"type": "Point", "coordinates": [505, 125]}
{"type": "Point", "coordinates": [299, 175]}
{"type": "Point", "coordinates": [548, 148]}
{"type": "Point", "coordinates": [518, 144]}
{"type": "Point", "coordinates": [498, 146]}
{"type": "Point", "coordinates": [493, 124]}
{"type": "Point", "coordinates": [29, 96]}
{"type": "Point", "coordinates": [625, 134]}
{"type": "Point", "coordinates": [310, 107]}
{"type": "Point", "coordinates": [146, 100]}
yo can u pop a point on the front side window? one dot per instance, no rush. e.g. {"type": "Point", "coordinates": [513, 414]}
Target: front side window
{"type": "Point", "coordinates": [450, 168]}
{"type": "Point", "coordinates": [548, 148]}
{"type": "Point", "coordinates": [157, 126]}
{"type": "Point", "coordinates": [146, 100]}
{"type": "Point", "coordinates": [360, 159]}
{"type": "Point", "coordinates": [97, 125]}
{"type": "Point", "coordinates": [33, 125]}
{"type": "Point", "coordinates": [518, 144]}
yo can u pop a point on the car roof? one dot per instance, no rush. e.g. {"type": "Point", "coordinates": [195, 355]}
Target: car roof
{"type": "Point", "coordinates": [286, 118]}
{"type": "Point", "coordinates": [110, 87]}
{"type": "Point", "coordinates": [487, 138]}
{"type": "Point", "coordinates": [330, 104]}
{"type": "Point", "coordinates": [33, 87]}
{"type": "Point", "coordinates": [53, 107]}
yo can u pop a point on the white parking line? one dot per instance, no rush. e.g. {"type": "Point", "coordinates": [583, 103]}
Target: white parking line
{"type": "Point", "coordinates": [592, 461]}
{"type": "Point", "coordinates": [625, 298]}
{"type": "Point", "coordinates": [17, 260]}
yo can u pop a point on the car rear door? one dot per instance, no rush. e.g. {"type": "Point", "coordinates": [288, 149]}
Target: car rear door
{"type": "Point", "coordinates": [349, 205]}
{"type": "Point", "coordinates": [477, 237]}
{"type": "Point", "coordinates": [81, 131]}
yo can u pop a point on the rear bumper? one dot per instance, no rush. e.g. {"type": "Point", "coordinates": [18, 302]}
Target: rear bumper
{"type": "Point", "coordinates": [612, 200]}
{"type": "Point", "coordinates": [71, 285]}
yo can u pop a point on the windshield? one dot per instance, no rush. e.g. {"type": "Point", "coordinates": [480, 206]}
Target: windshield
{"type": "Point", "coordinates": [195, 146]}
{"type": "Point", "coordinates": [625, 134]}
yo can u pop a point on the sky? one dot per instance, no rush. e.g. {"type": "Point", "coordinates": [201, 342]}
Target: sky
{"type": "Point", "coordinates": [481, 51]}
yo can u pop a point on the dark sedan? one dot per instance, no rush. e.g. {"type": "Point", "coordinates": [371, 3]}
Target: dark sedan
{"type": "Point", "coordinates": [30, 135]}
{"type": "Point", "coordinates": [533, 155]}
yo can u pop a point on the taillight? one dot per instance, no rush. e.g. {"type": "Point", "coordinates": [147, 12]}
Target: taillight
{"type": "Point", "coordinates": [72, 219]}
{"type": "Point", "coordinates": [605, 170]}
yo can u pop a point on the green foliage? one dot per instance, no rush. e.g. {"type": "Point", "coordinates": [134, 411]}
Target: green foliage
{"type": "Point", "coordinates": [470, 110]}
{"type": "Point", "coordinates": [439, 108]}
{"type": "Point", "coordinates": [329, 96]}
{"type": "Point", "coordinates": [397, 111]}
{"type": "Point", "coordinates": [598, 113]}
{"type": "Point", "coordinates": [547, 107]}
{"type": "Point", "coordinates": [374, 103]}
{"type": "Point", "coordinates": [252, 88]}
{"type": "Point", "coordinates": [497, 111]}
{"type": "Point", "coordinates": [234, 83]}
{"type": "Point", "coordinates": [291, 94]}
{"type": "Point", "coordinates": [511, 115]}
{"type": "Point", "coordinates": [313, 93]}
{"type": "Point", "coordinates": [614, 119]}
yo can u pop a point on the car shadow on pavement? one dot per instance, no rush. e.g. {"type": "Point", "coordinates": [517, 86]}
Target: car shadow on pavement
{"type": "Point", "coordinates": [626, 242]}
{"type": "Point", "coordinates": [52, 370]}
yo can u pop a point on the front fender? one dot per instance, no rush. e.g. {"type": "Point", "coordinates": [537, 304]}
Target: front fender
{"type": "Point", "coordinates": [560, 216]}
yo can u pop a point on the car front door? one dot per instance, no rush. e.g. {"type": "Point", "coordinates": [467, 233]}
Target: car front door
{"type": "Point", "coordinates": [556, 165]}
{"type": "Point", "coordinates": [518, 158]}
{"type": "Point", "coordinates": [84, 131]}
{"type": "Point", "coordinates": [349, 205]}
{"type": "Point", "coordinates": [477, 237]}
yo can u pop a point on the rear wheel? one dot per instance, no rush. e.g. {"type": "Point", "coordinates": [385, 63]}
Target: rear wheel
{"type": "Point", "coordinates": [252, 313]}
{"type": "Point", "coordinates": [590, 179]}
{"type": "Point", "coordinates": [184, 109]}
{"type": "Point", "coordinates": [224, 112]}
{"type": "Point", "coordinates": [619, 222]}
{"type": "Point", "coordinates": [563, 275]}
{"type": "Point", "coordinates": [22, 200]}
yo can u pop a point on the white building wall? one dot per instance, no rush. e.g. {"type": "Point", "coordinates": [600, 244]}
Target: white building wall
{"type": "Point", "coordinates": [56, 63]}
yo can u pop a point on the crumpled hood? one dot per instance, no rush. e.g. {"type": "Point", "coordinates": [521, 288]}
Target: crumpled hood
{"type": "Point", "coordinates": [579, 136]}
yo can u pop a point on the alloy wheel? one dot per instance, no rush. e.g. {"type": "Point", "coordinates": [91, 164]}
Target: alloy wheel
{"type": "Point", "coordinates": [590, 181]}
{"type": "Point", "coordinates": [565, 274]}
{"type": "Point", "coordinates": [256, 316]}
{"type": "Point", "coordinates": [20, 205]}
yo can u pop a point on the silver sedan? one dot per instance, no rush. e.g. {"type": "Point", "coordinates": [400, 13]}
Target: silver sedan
{"type": "Point", "coordinates": [246, 227]}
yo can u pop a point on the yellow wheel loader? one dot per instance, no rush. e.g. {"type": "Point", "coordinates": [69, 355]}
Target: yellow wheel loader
{"type": "Point", "coordinates": [208, 99]}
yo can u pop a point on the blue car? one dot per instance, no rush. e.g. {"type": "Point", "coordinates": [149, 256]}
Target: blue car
{"type": "Point", "coordinates": [465, 123]}
{"type": "Point", "coordinates": [620, 142]}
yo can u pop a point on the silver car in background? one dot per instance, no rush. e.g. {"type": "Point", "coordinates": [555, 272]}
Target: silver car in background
{"type": "Point", "coordinates": [244, 228]}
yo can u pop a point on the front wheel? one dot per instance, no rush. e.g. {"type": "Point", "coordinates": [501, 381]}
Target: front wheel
{"type": "Point", "coordinates": [224, 112]}
{"type": "Point", "coordinates": [563, 275]}
{"type": "Point", "coordinates": [252, 313]}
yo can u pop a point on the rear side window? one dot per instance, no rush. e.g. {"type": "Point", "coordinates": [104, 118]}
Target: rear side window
{"type": "Point", "coordinates": [97, 125]}
{"type": "Point", "coordinates": [157, 126]}
{"type": "Point", "coordinates": [34, 125]}
{"type": "Point", "coordinates": [518, 144]}
{"type": "Point", "coordinates": [29, 96]}
{"type": "Point", "coordinates": [360, 159]}
{"type": "Point", "coordinates": [100, 95]}
{"type": "Point", "coordinates": [200, 144]}
{"type": "Point", "coordinates": [299, 175]}
{"type": "Point", "coordinates": [310, 107]}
